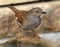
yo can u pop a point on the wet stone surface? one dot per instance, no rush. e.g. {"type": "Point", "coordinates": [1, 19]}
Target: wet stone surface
{"type": "Point", "coordinates": [8, 45]}
{"type": "Point", "coordinates": [31, 45]}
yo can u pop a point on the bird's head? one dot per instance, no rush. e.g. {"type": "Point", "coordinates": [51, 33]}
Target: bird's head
{"type": "Point", "coordinates": [36, 11]}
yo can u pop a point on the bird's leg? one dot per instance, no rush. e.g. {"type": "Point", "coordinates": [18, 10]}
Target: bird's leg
{"type": "Point", "coordinates": [35, 34]}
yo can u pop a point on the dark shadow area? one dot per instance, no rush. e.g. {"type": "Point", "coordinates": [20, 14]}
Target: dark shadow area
{"type": "Point", "coordinates": [24, 3]}
{"type": "Point", "coordinates": [45, 0]}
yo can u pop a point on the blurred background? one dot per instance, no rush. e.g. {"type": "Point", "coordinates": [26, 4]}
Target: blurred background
{"type": "Point", "coordinates": [47, 6]}
{"type": "Point", "coordinates": [6, 2]}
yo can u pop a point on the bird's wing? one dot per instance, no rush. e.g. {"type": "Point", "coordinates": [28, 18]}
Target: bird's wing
{"type": "Point", "coordinates": [19, 13]}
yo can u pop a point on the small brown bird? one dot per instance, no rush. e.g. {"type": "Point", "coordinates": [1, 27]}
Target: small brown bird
{"type": "Point", "coordinates": [32, 18]}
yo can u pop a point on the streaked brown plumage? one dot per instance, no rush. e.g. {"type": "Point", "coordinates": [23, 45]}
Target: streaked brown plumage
{"type": "Point", "coordinates": [29, 20]}
{"type": "Point", "coordinates": [19, 14]}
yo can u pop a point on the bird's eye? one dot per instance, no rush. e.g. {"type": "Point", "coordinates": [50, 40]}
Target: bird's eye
{"type": "Point", "coordinates": [43, 12]}
{"type": "Point", "coordinates": [36, 11]}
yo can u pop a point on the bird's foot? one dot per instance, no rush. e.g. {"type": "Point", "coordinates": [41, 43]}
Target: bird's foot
{"type": "Point", "coordinates": [35, 36]}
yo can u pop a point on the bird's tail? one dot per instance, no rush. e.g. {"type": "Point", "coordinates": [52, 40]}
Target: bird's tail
{"type": "Point", "coordinates": [18, 13]}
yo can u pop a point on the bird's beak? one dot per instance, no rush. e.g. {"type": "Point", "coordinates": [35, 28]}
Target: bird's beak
{"type": "Point", "coordinates": [43, 12]}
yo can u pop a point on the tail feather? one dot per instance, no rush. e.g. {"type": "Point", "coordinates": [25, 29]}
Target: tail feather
{"type": "Point", "coordinates": [18, 13]}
